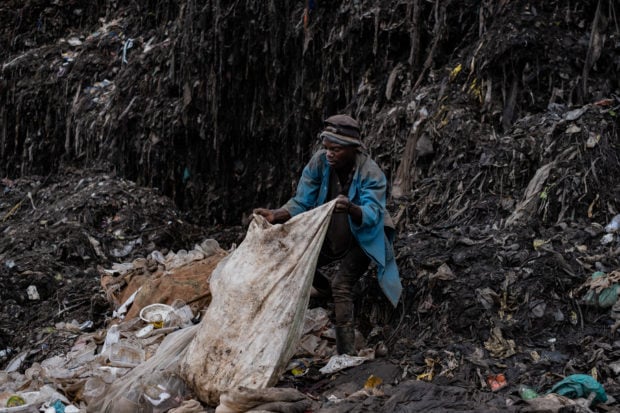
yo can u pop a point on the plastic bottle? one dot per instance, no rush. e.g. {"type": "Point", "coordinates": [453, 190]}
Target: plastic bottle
{"type": "Point", "coordinates": [526, 392]}
{"type": "Point", "coordinates": [112, 337]}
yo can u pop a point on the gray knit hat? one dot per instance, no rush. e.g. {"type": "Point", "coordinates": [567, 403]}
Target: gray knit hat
{"type": "Point", "coordinates": [342, 130]}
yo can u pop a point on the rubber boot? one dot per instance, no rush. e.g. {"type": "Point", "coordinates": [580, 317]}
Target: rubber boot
{"type": "Point", "coordinates": [345, 341]}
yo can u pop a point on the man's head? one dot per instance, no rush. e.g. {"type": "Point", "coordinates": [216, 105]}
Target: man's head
{"type": "Point", "coordinates": [341, 139]}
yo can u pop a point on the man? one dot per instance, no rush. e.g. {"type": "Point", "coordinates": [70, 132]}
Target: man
{"type": "Point", "coordinates": [360, 230]}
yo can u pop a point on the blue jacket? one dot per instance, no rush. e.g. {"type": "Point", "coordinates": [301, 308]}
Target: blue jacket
{"type": "Point", "coordinates": [368, 190]}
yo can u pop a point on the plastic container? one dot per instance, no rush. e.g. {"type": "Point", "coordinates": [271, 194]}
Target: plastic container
{"type": "Point", "coordinates": [145, 331]}
{"type": "Point", "coordinates": [32, 401]}
{"type": "Point", "coordinates": [125, 355]}
{"type": "Point", "coordinates": [156, 314]}
{"type": "Point", "coordinates": [129, 403]}
{"type": "Point", "coordinates": [527, 393]}
{"type": "Point", "coordinates": [93, 389]}
{"type": "Point", "coordinates": [112, 337]}
{"type": "Point", "coordinates": [164, 391]}
{"type": "Point", "coordinates": [109, 374]}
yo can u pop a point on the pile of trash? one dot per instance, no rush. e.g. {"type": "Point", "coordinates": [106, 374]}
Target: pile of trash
{"type": "Point", "coordinates": [133, 334]}
{"type": "Point", "coordinates": [137, 362]}
{"type": "Point", "coordinates": [56, 231]}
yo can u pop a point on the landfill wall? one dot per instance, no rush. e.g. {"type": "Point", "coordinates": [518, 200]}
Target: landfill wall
{"type": "Point", "coordinates": [218, 104]}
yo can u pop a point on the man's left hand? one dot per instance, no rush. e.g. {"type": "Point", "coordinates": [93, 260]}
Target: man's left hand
{"type": "Point", "coordinates": [342, 204]}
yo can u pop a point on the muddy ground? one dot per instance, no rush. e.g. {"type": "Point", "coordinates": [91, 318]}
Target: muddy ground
{"type": "Point", "coordinates": [496, 123]}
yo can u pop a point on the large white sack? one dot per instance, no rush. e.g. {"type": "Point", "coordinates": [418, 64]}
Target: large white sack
{"type": "Point", "coordinates": [260, 295]}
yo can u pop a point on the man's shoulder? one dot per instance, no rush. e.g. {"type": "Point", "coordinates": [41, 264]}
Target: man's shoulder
{"type": "Point", "coordinates": [368, 166]}
{"type": "Point", "coordinates": [318, 159]}
{"type": "Point", "coordinates": [319, 152]}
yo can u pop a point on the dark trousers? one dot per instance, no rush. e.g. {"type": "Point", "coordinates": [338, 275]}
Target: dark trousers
{"type": "Point", "coordinates": [351, 267]}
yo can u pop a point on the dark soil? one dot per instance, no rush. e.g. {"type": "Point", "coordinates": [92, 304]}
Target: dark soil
{"type": "Point", "coordinates": [130, 128]}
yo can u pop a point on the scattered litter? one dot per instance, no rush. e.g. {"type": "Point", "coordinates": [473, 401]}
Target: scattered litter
{"type": "Point", "coordinates": [496, 381]}
{"type": "Point", "coordinates": [341, 362]}
{"type": "Point", "coordinates": [527, 393]}
{"type": "Point", "coordinates": [32, 292]}
{"type": "Point", "coordinates": [580, 385]}
{"type": "Point", "coordinates": [156, 314]}
{"type": "Point", "coordinates": [614, 225]}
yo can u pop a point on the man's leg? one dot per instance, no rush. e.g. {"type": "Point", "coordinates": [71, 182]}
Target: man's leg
{"type": "Point", "coordinates": [321, 283]}
{"type": "Point", "coordinates": [352, 267]}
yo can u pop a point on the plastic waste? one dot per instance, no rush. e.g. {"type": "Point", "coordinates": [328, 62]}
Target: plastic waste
{"type": "Point", "coordinates": [93, 388]}
{"type": "Point", "coordinates": [122, 310]}
{"type": "Point", "coordinates": [87, 325]}
{"type": "Point", "coordinates": [373, 382]}
{"type": "Point", "coordinates": [496, 381]}
{"type": "Point", "coordinates": [21, 403]}
{"type": "Point", "coordinates": [15, 401]}
{"type": "Point", "coordinates": [109, 374]}
{"type": "Point", "coordinates": [112, 337]}
{"type": "Point", "coordinates": [129, 402]}
{"type": "Point", "coordinates": [605, 297]}
{"type": "Point", "coordinates": [316, 320]}
{"type": "Point", "coordinates": [164, 391]}
{"type": "Point", "coordinates": [145, 331]}
{"type": "Point", "coordinates": [32, 292]}
{"type": "Point", "coordinates": [156, 314]}
{"type": "Point", "coordinates": [580, 385]}
{"type": "Point", "coordinates": [158, 256]}
{"type": "Point", "coordinates": [180, 316]}
{"type": "Point", "coordinates": [614, 225]}
{"type": "Point", "coordinates": [17, 361]}
{"type": "Point", "coordinates": [608, 238]}
{"type": "Point", "coordinates": [341, 362]}
{"type": "Point", "coordinates": [527, 393]}
{"type": "Point", "coordinates": [125, 355]}
{"type": "Point", "coordinates": [299, 367]}
{"type": "Point", "coordinates": [58, 406]}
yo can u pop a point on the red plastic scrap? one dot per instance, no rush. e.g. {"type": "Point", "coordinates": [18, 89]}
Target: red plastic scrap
{"type": "Point", "coordinates": [496, 381]}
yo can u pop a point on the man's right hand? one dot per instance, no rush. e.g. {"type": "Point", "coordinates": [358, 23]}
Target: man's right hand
{"type": "Point", "coordinates": [273, 216]}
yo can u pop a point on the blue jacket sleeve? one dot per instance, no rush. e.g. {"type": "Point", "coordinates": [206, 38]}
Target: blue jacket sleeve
{"type": "Point", "coordinates": [371, 189]}
{"type": "Point", "coordinates": [372, 201]}
{"type": "Point", "coordinates": [308, 187]}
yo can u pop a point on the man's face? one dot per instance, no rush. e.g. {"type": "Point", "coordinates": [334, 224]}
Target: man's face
{"type": "Point", "coordinates": [339, 157]}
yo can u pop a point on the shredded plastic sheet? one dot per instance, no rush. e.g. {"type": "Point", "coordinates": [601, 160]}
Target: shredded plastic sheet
{"type": "Point", "coordinates": [128, 394]}
{"type": "Point", "coordinates": [260, 295]}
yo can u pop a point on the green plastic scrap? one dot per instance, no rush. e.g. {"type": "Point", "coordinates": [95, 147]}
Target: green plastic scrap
{"type": "Point", "coordinates": [609, 296]}
{"type": "Point", "coordinates": [580, 385]}
{"type": "Point", "coordinates": [606, 298]}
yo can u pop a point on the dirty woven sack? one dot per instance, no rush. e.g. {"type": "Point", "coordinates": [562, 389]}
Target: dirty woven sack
{"type": "Point", "coordinates": [260, 295]}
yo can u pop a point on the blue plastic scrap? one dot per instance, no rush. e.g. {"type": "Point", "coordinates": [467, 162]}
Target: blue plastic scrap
{"type": "Point", "coordinates": [58, 406]}
{"type": "Point", "coordinates": [580, 385]}
{"type": "Point", "coordinates": [128, 45]}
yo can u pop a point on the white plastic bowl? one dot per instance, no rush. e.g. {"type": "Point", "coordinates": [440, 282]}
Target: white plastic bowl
{"type": "Point", "coordinates": [155, 312]}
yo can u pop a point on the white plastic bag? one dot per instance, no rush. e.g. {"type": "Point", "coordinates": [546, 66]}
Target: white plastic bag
{"type": "Point", "coordinates": [260, 295]}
